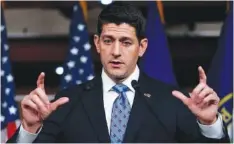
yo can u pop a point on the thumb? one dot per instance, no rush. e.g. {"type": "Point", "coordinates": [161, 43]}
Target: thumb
{"type": "Point", "coordinates": [58, 103]}
{"type": "Point", "coordinates": [181, 96]}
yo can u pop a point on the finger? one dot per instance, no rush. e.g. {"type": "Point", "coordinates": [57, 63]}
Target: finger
{"type": "Point", "coordinates": [205, 92]}
{"type": "Point", "coordinates": [210, 99]}
{"type": "Point", "coordinates": [196, 91]}
{"type": "Point", "coordinates": [181, 96]}
{"type": "Point", "coordinates": [41, 106]}
{"type": "Point", "coordinates": [58, 103]}
{"type": "Point", "coordinates": [25, 102]}
{"type": "Point", "coordinates": [31, 105]}
{"type": "Point", "coordinates": [202, 75]}
{"type": "Point", "coordinates": [41, 80]}
{"type": "Point", "coordinates": [42, 95]}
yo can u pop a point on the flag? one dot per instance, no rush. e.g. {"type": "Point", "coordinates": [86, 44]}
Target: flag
{"type": "Point", "coordinates": [9, 109]}
{"type": "Point", "coordinates": [220, 75]}
{"type": "Point", "coordinates": [156, 61]}
{"type": "Point", "coordinates": [78, 66]}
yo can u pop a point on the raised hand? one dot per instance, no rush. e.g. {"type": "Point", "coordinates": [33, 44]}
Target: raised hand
{"type": "Point", "coordinates": [36, 106]}
{"type": "Point", "coordinates": [203, 101]}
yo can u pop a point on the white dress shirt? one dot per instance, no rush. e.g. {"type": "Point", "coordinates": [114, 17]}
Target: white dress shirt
{"type": "Point", "coordinates": [211, 131]}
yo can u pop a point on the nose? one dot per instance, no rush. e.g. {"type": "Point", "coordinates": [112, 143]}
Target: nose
{"type": "Point", "coordinates": [116, 51]}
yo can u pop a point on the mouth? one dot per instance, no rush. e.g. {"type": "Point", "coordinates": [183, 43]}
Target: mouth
{"type": "Point", "coordinates": [116, 64]}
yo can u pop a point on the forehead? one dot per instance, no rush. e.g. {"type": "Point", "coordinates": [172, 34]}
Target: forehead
{"type": "Point", "coordinates": [122, 30]}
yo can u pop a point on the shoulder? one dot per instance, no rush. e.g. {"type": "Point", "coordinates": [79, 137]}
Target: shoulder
{"type": "Point", "coordinates": [160, 88]}
{"type": "Point", "coordinates": [156, 84]}
{"type": "Point", "coordinates": [75, 91]}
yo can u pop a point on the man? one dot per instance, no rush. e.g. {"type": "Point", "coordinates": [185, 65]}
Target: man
{"type": "Point", "coordinates": [122, 104]}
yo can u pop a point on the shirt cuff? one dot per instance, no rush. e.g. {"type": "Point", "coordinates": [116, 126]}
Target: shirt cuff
{"type": "Point", "coordinates": [215, 130]}
{"type": "Point", "coordinates": [25, 136]}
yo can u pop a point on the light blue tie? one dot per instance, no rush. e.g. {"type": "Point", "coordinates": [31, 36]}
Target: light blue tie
{"type": "Point", "coordinates": [120, 114]}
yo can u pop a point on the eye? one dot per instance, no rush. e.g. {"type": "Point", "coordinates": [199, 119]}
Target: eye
{"type": "Point", "coordinates": [107, 41]}
{"type": "Point", "coordinates": [126, 43]}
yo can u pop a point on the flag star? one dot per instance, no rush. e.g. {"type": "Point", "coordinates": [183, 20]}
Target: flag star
{"type": "Point", "coordinates": [4, 59]}
{"type": "Point", "coordinates": [81, 71]}
{"type": "Point", "coordinates": [87, 46]}
{"type": "Point", "coordinates": [90, 77]}
{"type": "Point", "coordinates": [80, 27]}
{"type": "Point", "coordinates": [4, 105]}
{"type": "Point", "coordinates": [68, 77]}
{"type": "Point", "coordinates": [2, 73]}
{"type": "Point", "coordinates": [2, 27]}
{"type": "Point", "coordinates": [78, 82]}
{"type": "Point", "coordinates": [76, 38]}
{"type": "Point", "coordinates": [74, 51]}
{"type": "Point", "coordinates": [7, 91]}
{"type": "Point", "coordinates": [12, 110]}
{"type": "Point", "coordinates": [9, 78]}
{"type": "Point", "coordinates": [75, 8]}
{"type": "Point", "coordinates": [83, 59]}
{"type": "Point", "coordinates": [2, 118]}
{"type": "Point", "coordinates": [6, 47]}
{"type": "Point", "coordinates": [71, 64]}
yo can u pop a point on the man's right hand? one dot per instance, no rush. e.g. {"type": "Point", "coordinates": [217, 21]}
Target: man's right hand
{"type": "Point", "coordinates": [36, 106]}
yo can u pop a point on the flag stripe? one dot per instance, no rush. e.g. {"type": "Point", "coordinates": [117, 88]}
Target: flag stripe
{"type": "Point", "coordinates": [11, 128]}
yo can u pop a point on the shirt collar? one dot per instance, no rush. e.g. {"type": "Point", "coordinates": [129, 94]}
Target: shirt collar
{"type": "Point", "coordinates": [108, 83]}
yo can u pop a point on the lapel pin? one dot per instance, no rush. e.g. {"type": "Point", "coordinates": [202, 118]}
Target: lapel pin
{"type": "Point", "coordinates": [147, 95]}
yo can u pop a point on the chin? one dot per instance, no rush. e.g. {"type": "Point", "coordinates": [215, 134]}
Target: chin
{"type": "Point", "coordinates": [117, 75]}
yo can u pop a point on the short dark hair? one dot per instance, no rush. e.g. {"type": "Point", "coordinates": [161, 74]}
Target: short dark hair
{"type": "Point", "coordinates": [122, 12]}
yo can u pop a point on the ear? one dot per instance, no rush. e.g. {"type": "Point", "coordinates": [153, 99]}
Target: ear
{"type": "Point", "coordinates": [143, 46]}
{"type": "Point", "coordinates": [96, 40]}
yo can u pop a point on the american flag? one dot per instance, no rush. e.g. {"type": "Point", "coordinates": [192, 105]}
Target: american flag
{"type": "Point", "coordinates": [78, 66]}
{"type": "Point", "coordinates": [9, 111]}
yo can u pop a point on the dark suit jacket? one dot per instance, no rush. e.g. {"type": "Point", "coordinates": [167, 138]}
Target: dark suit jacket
{"type": "Point", "coordinates": [159, 118]}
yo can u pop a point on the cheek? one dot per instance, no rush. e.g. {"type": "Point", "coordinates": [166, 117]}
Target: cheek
{"type": "Point", "coordinates": [132, 55]}
{"type": "Point", "coordinates": [104, 54]}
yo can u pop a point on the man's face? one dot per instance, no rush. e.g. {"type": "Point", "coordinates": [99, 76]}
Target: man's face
{"type": "Point", "coordinates": [119, 49]}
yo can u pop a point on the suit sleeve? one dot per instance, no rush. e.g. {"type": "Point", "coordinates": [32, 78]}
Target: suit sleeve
{"type": "Point", "coordinates": [188, 130]}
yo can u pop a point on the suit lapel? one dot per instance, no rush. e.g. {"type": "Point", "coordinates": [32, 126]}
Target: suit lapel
{"type": "Point", "coordinates": [135, 118]}
{"type": "Point", "coordinates": [93, 104]}
{"type": "Point", "coordinates": [143, 101]}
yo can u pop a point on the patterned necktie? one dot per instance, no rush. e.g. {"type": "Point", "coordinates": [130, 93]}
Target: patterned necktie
{"type": "Point", "coordinates": [120, 114]}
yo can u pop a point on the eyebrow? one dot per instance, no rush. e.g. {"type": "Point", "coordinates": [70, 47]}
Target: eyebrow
{"type": "Point", "coordinates": [126, 38]}
{"type": "Point", "coordinates": [107, 36]}
{"type": "Point", "coordinates": [121, 38]}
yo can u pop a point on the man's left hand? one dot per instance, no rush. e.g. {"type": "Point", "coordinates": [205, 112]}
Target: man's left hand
{"type": "Point", "coordinates": [203, 101]}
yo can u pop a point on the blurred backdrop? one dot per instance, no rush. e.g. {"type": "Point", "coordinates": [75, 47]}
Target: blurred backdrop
{"type": "Point", "coordinates": [40, 38]}
{"type": "Point", "coordinates": [38, 35]}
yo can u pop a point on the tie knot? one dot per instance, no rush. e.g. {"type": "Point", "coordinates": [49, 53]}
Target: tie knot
{"type": "Point", "coordinates": [119, 88]}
